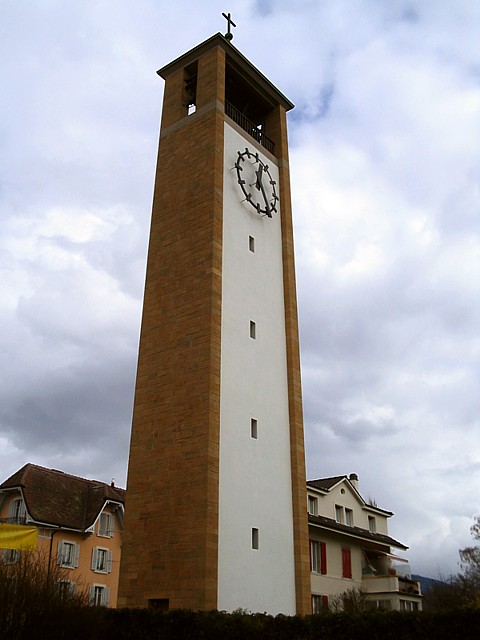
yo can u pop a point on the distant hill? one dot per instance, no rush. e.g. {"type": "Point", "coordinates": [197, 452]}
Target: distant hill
{"type": "Point", "coordinates": [426, 583]}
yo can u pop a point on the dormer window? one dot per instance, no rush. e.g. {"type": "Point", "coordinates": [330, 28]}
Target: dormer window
{"type": "Point", "coordinates": [17, 512]}
{"type": "Point", "coordinates": [106, 525]}
{"type": "Point", "coordinates": [313, 506]}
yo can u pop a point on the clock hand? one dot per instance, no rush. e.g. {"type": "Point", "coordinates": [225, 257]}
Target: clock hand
{"type": "Point", "coordinates": [268, 210]}
{"type": "Point", "coordinates": [259, 174]}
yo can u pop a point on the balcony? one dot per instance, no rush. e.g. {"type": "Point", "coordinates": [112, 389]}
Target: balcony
{"type": "Point", "coordinates": [255, 130]}
{"type": "Point", "coordinates": [390, 584]}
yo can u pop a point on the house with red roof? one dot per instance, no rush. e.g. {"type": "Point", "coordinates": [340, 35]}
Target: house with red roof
{"type": "Point", "coordinates": [79, 525]}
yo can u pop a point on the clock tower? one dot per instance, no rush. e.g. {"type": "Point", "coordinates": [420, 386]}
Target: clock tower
{"type": "Point", "coordinates": [216, 496]}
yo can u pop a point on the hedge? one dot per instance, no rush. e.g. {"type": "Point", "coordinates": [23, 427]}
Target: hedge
{"type": "Point", "coordinates": [87, 623]}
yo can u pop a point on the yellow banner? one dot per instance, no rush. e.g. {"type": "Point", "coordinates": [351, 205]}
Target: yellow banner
{"type": "Point", "coordinates": [17, 536]}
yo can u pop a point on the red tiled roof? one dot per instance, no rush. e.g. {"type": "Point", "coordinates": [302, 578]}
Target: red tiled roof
{"type": "Point", "coordinates": [62, 500]}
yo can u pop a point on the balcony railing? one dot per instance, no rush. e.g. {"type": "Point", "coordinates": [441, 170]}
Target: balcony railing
{"type": "Point", "coordinates": [249, 126]}
{"type": "Point", "coordinates": [390, 584]}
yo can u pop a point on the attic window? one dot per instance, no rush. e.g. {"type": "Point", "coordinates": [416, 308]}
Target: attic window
{"type": "Point", "coordinates": [312, 506]}
{"type": "Point", "coordinates": [17, 512]}
{"type": "Point", "coordinates": [106, 525]}
{"type": "Point", "coordinates": [372, 525]}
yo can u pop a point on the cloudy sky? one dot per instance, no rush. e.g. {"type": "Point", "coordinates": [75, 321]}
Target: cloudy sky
{"type": "Point", "coordinates": [384, 141]}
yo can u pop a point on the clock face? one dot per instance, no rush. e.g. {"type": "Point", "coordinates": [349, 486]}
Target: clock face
{"type": "Point", "coordinates": [256, 182]}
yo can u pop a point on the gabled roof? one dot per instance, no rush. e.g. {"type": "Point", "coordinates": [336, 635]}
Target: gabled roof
{"type": "Point", "coordinates": [56, 498]}
{"type": "Point", "coordinates": [327, 484]}
{"type": "Point", "coordinates": [357, 532]}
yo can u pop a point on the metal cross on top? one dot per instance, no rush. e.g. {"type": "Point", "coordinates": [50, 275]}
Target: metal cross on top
{"type": "Point", "coordinates": [228, 18]}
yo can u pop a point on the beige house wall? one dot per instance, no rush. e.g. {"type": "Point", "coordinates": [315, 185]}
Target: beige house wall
{"type": "Point", "coordinates": [343, 496]}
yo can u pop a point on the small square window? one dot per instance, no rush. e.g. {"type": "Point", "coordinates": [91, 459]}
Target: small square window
{"type": "Point", "coordinates": [254, 538]}
{"type": "Point", "coordinates": [251, 244]}
{"type": "Point", "coordinates": [254, 428]}
{"type": "Point", "coordinates": [162, 604]}
{"type": "Point", "coordinates": [253, 330]}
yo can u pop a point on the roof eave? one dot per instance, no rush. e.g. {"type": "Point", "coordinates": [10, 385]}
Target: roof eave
{"type": "Point", "coordinates": [239, 60]}
{"type": "Point", "coordinates": [363, 535]}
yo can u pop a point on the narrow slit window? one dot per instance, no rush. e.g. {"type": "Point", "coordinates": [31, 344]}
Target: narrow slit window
{"type": "Point", "coordinates": [253, 330]}
{"type": "Point", "coordinates": [254, 428]}
{"type": "Point", "coordinates": [251, 244]}
{"type": "Point", "coordinates": [254, 538]}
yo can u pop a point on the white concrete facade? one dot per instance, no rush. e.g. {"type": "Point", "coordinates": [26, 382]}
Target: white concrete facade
{"type": "Point", "coordinates": [255, 475]}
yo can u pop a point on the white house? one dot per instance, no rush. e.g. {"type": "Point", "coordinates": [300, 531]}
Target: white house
{"type": "Point", "coordinates": [350, 549]}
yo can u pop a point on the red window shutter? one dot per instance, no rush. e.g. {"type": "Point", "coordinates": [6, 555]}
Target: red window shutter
{"type": "Point", "coordinates": [323, 557]}
{"type": "Point", "coordinates": [346, 563]}
{"type": "Point", "coordinates": [325, 603]}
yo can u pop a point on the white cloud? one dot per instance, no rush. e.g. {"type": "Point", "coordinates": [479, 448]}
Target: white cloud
{"type": "Point", "coordinates": [384, 166]}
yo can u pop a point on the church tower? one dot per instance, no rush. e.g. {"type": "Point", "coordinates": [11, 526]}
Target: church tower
{"type": "Point", "coordinates": [216, 496]}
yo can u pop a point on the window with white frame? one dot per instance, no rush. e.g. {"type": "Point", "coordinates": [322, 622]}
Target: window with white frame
{"type": "Point", "coordinates": [11, 556]}
{"type": "Point", "coordinates": [66, 587]}
{"type": "Point", "coordinates": [318, 556]}
{"type": "Point", "coordinates": [16, 511]}
{"type": "Point", "coordinates": [339, 514]}
{"type": "Point", "coordinates": [349, 517]}
{"type": "Point", "coordinates": [372, 525]}
{"type": "Point", "coordinates": [106, 525]}
{"type": "Point", "coordinates": [99, 595]}
{"type": "Point", "coordinates": [384, 605]}
{"type": "Point", "coordinates": [313, 506]}
{"type": "Point", "coordinates": [68, 554]}
{"type": "Point", "coordinates": [101, 560]}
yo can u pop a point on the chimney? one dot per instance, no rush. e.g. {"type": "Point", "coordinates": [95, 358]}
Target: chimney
{"type": "Point", "coordinates": [354, 480]}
